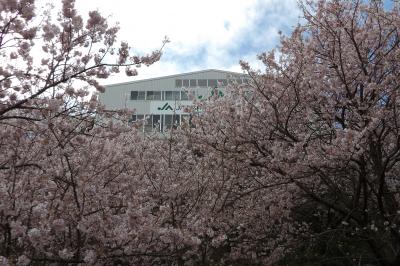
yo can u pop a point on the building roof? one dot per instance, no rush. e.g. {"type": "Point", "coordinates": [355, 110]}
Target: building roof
{"type": "Point", "coordinates": [178, 75]}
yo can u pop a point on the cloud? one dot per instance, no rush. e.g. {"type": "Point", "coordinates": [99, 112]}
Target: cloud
{"type": "Point", "coordinates": [204, 34]}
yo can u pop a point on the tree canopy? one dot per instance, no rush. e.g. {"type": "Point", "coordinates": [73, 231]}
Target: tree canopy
{"type": "Point", "coordinates": [299, 167]}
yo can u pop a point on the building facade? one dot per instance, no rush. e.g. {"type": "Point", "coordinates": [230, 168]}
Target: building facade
{"type": "Point", "coordinates": [160, 103]}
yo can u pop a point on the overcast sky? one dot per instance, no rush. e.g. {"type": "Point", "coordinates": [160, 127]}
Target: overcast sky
{"type": "Point", "coordinates": [204, 33]}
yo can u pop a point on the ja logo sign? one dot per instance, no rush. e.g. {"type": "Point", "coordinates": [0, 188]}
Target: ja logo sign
{"type": "Point", "coordinates": [165, 107]}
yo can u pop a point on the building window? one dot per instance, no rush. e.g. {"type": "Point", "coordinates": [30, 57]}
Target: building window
{"type": "Point", "coordinates": [153, 123]}
{"type": "Point", "coordinates": [161, 123]}
{"type": "Point", "coordinates": [193, 83]}
{"type": "Point", "coordinates": [156, 123]}
{"type": "Point", "coordinates": [147, 124]}
{"type": "Point", "coordinates": [133, 118]}
{"type": "Point", "coordinates": [172, 95]}
{"type": "Point", "coordinates": [171, 121]}
{"type": "Point", "coordinates": [168, 122]}
{"type": "Point", "coordinates": [202, 83]}
{"type": "Point", "coordinates": [185, 83]}
{"type": "Point", "coordinates": [136, 118]}
{"type": "Point", "coordinates": [177, 95]}
{"type": "Point", "coordinates": [138, 95]}
{"type": "Point", "coordinates": [184, 96]}
{"type": "Point", "coordinates": [168, 95]}
{"type": "Point", "coordinates": [176, 120]}
{"type": "Point", "coordinates": [153, 95]}
{"type": "Point", "coordinates": [157, 95]}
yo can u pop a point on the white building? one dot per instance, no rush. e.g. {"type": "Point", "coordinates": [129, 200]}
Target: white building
{"type": "Point", "coordinates": [161, 102]}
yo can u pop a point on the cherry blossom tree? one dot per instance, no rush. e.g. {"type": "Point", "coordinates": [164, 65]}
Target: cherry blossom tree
{"type": "Point", "coordinates": [308, 153]}
{"type": "Point", "coordinates": [65, 186]}
{"type": "Point", "coordinates": [299, 167]}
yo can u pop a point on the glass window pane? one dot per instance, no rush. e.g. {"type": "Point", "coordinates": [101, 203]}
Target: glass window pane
{"type": "Point", "coordinates": [172, 95]}
{"type": "Point", "coordinates": [153, 95]}
{"type": "Point", "coordinates": [193, 83]}
{"type": "Point", "coordinates": [202, 83]}
{"type": "Point", "coordinates": [168, 121]}
{"type": "Point", "coordinates": [168, 95]}
{"type": "Point", "coordinates": [147, 124]}
{"type": "Point", "coordinates": [157, 123]}
{"type": "Point", "coordinates": [150, 95]}
{"type": "Point", "coordinates": [134, 95]}
{"type": "Point", "coordinates": [177, 95]}
{"type": "Point", "coordinates": [185, 83]}
{"type": "Point", "coordinates": [133, 118]}
{"type": "Point", "coordinates": [184, 96]}
{"type": "Point", "coordinates": [141, 95]}
{"type": "Point", "coordinates": [178, 83]}
{"type": "Point", "coordinates": [177, 121]}
{"type": "Point", "coordinates": [157, 95]}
